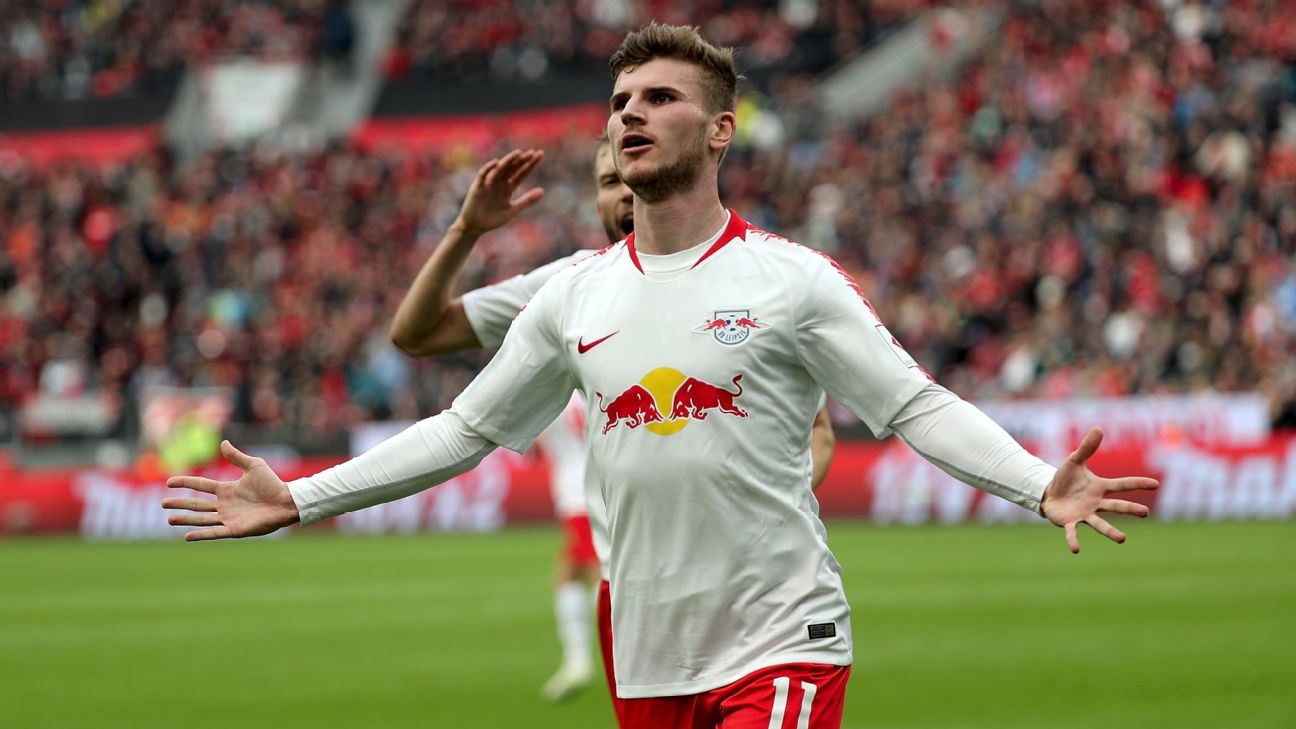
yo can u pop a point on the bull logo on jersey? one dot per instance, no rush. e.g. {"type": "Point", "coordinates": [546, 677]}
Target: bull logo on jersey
{"type": "Point", "coordinates": [730, 327]}
{"type": "Point", "coordinates": [667, 390]}
{"type": "Point", "coordinates": [695, 398]}
{"type": "Point", "coordinates": [635, 406]}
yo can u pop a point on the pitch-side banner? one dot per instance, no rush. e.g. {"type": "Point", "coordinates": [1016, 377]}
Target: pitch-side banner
{"type": "Point", "coordinates": [480, 132]}
{"type": "Point", "coordinates": [886, 483]}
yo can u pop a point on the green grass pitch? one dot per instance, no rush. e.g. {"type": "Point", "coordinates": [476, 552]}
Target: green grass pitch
{"type": "Point", "coordinates": [1187, 625]}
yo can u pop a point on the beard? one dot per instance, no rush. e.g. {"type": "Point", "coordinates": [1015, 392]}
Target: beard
{"type": "Point", "coordinates": [655, 185]}
{"type": "Point", "coordinates": [618, 228]}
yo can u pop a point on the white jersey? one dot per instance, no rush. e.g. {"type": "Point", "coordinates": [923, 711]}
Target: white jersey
{"type": "Point", "coordinates": [702, 374]}
{"type": "Point", "coordinates": [490, 311]}
{"type": "Point", "coordinates": [564, 446]}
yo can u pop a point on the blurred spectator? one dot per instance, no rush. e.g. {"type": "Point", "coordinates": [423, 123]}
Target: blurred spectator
{"type": "Point", "coordinates": [337, 35]}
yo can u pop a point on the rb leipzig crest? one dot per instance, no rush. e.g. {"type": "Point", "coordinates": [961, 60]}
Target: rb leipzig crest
{"type": "Point", "coordinates": [730, 327]}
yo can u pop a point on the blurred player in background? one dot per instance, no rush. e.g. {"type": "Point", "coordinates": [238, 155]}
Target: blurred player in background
{"type": "Point", "coordinates": [727, 605]}
{"type": "Point", "coordinates": [430, 322]}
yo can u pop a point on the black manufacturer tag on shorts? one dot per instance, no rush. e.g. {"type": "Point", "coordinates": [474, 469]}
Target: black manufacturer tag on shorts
{"type": "Point", "coordinates": [823, 630]}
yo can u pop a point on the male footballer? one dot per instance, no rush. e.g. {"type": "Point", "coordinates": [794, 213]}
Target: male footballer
{"type": "Point", "coordinates": [429, 322]}
{"type": "Point", "coordinates": [700, 344]}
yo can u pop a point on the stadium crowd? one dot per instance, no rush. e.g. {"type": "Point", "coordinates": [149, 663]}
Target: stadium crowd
{"type": "Point", "coordinates": [1102, 203]}
{"type": "Point", "coordinates": [79, 49]}
{"type": "Point", "coordinates": [525, 39]}
{"type": "Point", "coordinates": [272, 273]}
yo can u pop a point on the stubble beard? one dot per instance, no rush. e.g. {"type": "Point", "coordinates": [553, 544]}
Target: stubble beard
{"type": "Point", "coordinates": [655, 185]}
{"type": "Point", "coordinates": [617, 229]}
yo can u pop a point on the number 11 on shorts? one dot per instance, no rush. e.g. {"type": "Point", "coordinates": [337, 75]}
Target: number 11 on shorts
{"type": "Point", "coordinates": [781, 685]}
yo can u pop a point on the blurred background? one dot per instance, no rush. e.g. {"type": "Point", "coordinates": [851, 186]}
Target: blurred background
{"type": "Point", "coordinates": [1072, 213]}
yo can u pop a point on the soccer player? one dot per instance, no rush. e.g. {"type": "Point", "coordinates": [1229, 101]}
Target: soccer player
{"type": "Point", "coordinates": [727, 605]}
{"type": "Point", "coordinates": [429, 322]}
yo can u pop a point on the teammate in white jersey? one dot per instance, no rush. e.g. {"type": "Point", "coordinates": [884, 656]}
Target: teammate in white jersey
{"type": "Point", "coordinates": [700, 343]}
{"type": "Point", "coordinates": [429, 322]}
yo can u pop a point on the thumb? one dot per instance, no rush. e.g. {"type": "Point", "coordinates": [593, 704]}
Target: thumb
{"type": "Point", "coordinates": [1087, 447]}
{"type": "Point", "coordinates": [236, 456]}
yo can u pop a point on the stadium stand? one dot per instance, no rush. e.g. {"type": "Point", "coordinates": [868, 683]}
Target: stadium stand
{"type": "Point", "coordinates": [54, 50]}
{"type": "Point", "coordinates": [512, 39]}
{"type": "Point", "coordinates": [1100, 204]}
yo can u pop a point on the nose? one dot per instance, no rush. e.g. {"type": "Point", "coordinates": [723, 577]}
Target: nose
{"type": "Point", "coordinates": [631, 113]}
{"type": "Point", "coordinates": [627, 196]}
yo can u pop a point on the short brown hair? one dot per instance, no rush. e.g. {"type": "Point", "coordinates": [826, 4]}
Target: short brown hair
{"type": "Point", "coordinates": [603, 142]}
{"type": "Point", "coordinates": [682, 42]}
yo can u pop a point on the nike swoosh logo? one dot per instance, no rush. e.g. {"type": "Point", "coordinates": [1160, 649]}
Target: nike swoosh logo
{"type": "Point", "coordinates": [582, 347]}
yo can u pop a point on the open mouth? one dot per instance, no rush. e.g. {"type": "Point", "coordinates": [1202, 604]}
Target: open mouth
{"type": "Point", "coordinates": [627, 225]}
{"type": "Point", "coordinates": [634, 141]}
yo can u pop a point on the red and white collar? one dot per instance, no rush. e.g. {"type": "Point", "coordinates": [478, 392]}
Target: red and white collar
{"type": "Point", "coordinates": [736, 228]}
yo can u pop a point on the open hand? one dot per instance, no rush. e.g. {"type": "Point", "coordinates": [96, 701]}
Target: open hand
{"type": "Point", "coordinates": [258, 503]}
{"type": "Point", "coordinates": [490, 202]}
{"type": "Point", "coordinates": [1076, 495]}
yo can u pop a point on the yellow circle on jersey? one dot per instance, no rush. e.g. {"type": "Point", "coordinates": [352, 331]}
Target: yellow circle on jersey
{"type": "Point", "coordinates": [662, 383]}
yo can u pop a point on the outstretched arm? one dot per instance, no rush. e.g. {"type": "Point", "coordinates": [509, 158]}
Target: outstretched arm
{"type": "Point", "coordinates": [428, 321]}
{"type": "Point", "coordinates": [520, 392]}
{"type": "Point", "coordinates": [848, 350]}
{"type": "Point", "coordinates": [967, 444]}
{"type": "Point", "coordinates": [428, 453]}
{"type": "Point", "coordinates": [822, 443]}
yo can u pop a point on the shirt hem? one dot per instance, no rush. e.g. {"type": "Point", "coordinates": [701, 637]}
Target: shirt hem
{"type": "Point", "coordinates": [307, 506]}
{"type": "Point", "coordinates": [689, 688]}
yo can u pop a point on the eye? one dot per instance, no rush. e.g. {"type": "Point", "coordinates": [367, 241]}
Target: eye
{"type": "Point", "coordinates": [618, 103]}
{"type": "Point", "coordinates": [661, 97]}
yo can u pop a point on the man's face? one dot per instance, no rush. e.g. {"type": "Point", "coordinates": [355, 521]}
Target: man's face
{"type": "Point", "coordinates": [613, 200]}
{"type": "Point", "coordinates": [659, 127]}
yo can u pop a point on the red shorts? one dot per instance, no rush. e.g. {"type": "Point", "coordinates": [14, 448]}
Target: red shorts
{"type": "Point", "coordinates": [605, 645]}
{"type": "Point", "coordinates": [790, 696]}
{"type": "Point", "coordinates": [578, 542]}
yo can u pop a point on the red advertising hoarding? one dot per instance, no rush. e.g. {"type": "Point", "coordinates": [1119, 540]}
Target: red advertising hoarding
{"type": "Point", "coordinates": [480, 132]}
{"type": "Point", "coordinates": [97, 146]}
{"type": "Point", "coordinates": [886, 483]}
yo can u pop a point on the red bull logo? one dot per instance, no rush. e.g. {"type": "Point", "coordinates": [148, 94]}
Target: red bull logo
{"type": "Point", "coordinates": [669, 390]}
{"type": "Point", "coordinates": [695, 398]}
{"type": "Point", "coordinates": [635, 406]}
{"type": "Point", "coordinates": [730, 327]}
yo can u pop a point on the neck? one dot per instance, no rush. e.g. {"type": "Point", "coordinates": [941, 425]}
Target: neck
{"type": "Point", "coordinates": [678, 222]}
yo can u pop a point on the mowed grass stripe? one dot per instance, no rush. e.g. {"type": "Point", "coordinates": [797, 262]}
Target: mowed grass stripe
{"type": "Point", "coordinates": [126, 601]}
{"type": "Point", "coordinates": [1188, 625]}
{"type": "Point", "coordinates": [1183, 626]}
{"type": "Point", "coordinates": [312, 631]}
